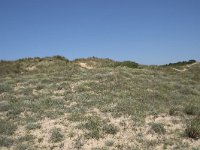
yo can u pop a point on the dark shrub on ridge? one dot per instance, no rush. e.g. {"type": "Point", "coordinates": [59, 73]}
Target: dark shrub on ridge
{"type": "Point", "coordinates": [129, 64]}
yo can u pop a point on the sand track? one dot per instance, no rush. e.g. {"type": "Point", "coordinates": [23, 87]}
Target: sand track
{"type": "Point", "coordinates": [186, 68]}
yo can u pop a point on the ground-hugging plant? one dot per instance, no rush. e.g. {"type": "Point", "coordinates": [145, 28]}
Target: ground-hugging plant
{"type": "Point", "coordinates": [158, 128]}
{"type": "Point", "coordinates": [56, 135]}
{"type": "Point", "coordinates": [193, 128]}
{"type": "Point", "coordinates": [192, 110]}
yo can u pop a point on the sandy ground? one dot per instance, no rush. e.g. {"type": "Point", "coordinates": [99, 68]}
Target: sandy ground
{"type": "Point", "coordinates": [84, 65]}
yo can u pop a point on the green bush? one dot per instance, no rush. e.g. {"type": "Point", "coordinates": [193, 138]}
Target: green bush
{"type": "Point", "coordinates": [22, 146]}
{"type": "Point", "coordinates": [78, 143]}
{"type": "Point", "coordinates": [56, 136]}
{"type": "Point", "coordinates": [109, 143]}
{"type": "Point", "coordinates": [173, 111]}
{"type": "Point", "coordinates": [94, 134]}
{"type": "Point", "coordinates": [4, 88]}
{"type": "Point", "coordinates": [6, 127]}
{"type": "Point", "coordinates": [93, 124]}
{"type": "Point", "coordinates": [60, 58]}
{"type": "Point", "coordinates": [192, 110]}
{"type": "Point", "coordinates": [181, 63]}
{"type": "Point", "coordinates": [5, 141]}
{"type": "Point", "coordinates": [158, 128]}
{"type": "Point", "coordinates": [193, 128]}
{"type": "Point", "coordinates": [27, 59]}
{"type": "Point", "coordinates": [32, 126]}
{"type": "Point", "coordinates": [4, 106]}
{"type": "Point", "coordinates": [110, 129]}
{"type": "Point", "coordinates": [128, 64]}
{"type": "Point", "coordinates": [27, 137]}
{"type": "Point", "coordinates": [9, 67]}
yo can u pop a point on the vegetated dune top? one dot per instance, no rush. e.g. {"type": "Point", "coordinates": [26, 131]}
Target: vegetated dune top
{"type": "Point", "coordinates": [58, 62]}
{"type": "Point", "coordinates": [54, 103]}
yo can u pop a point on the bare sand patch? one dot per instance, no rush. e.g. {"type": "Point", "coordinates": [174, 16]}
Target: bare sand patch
{"type": "Point", "coordinates": [85, 65]}
{"type": "Point", "coordinates": [31, 68]}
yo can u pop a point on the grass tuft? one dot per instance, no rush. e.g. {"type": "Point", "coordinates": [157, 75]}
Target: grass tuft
{"type": "Point", "coordinates": [7, 127]}
{"type": "Point", "coordinates": [5, 141]}
{"type": "Point", "coordinates": [192, 110]}
{"type": "Point", "coordinates": [56, 135]}
{"type": "Point", "coordinates": [173, 111]}
{"type": "Point", "coordinates": [193, 128]}
{"type": "Point", "coordinates": [5, 88]}
{"type": "Point", "coordinates": [32, 126]}
{"type": "Point", "coordinates": [158, 128]}
{"type": "Point", "coordinates": [110, 129]}
{"type": "Point", "coordinates": [109, 143]}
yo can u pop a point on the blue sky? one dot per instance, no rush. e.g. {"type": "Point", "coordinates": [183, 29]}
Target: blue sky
{"type": "Point", "coordinates": [145, 31]}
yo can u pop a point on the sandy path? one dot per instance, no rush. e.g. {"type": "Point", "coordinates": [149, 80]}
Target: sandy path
{"type": "Point", "coordinates": [186, 68]}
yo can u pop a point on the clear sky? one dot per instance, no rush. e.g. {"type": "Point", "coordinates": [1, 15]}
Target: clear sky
{"type": "Point", "coordinates": [145, 31]}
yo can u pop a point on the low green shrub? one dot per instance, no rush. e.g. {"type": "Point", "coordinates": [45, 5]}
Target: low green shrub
{"type": "Point", "coordinates": [181, 63]}
{"type": "Point", "coordinates": [32, 126]}
{"type": "Point", "coordinates": [5, 141]}
{"type": "Point", "coordinates": [193, 128]}
{"type": "Point", "coordinates": [173, 111]}
{"type": "Point", "coordinates": [56, 135]}
{"type": "Point", "coordinates": [60, 58]}
{"type": "Point", "coordinates": [192, 110]}
{"type": "Point", "coordinates": [110, 129]}
{"type": "Point", "coordinates": [78, 143]}
{"type": "Point", "coordinates": [93, 125]}
{"type": "Point", "coordinates": [94, 134]}
{"type": "Point", "coordinates": [5, 88]}
{"type": "Point", "coordinates": [109, 143]}
{"type": "Point", "coordinates": [4, 106]}
{"type": "Point", "coordinates": [158, 128]}
{"type": "Point", "coordinates": [129, 64]}
{"type": "Point", "coordinates": [7, 127]}
{"type": "Point", "coordinates": [8, 67]}
{"type": "Point", "coordinates": [22, 146]}
{"type": "Point", "coordinates": [27, 137]}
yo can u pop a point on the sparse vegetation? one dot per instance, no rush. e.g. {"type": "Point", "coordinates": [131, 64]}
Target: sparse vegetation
{"type": "Point", "coordinates": [4, 88]}
{"type": "Point", "coordinates": [110, 129]}
{"type": "Point", "coordinates": [79, 143]}
{"type": "Point", "coordinates": [109, 143]}
{"type": "Point", "coordinates": [25, 138]}
{"type": "Point", "coordinates": [22, 146]}
{"type": "Point", "coordinates": [192, 110]}
{"type": "Point", "coordinates": [173, 111]}
{"type": "Point", "coordinates": [56, 135]}
{"type": "Point", "coordinates": [8, 68]}
{"type": "Point", "coordinates": [193, 128]}
{"type": "Point", "coordinates": [5, 141]}
{"type": "Point", "coordinates": [93, 124]}
{"type": "Point", "coordinates": [51, 102]}
{"type": "Point", "coordinates": [32, 126]}
{"type": "Point", "coordinates": [158, 128]}
{"type": "Point", "coordinates": [7, 127]}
